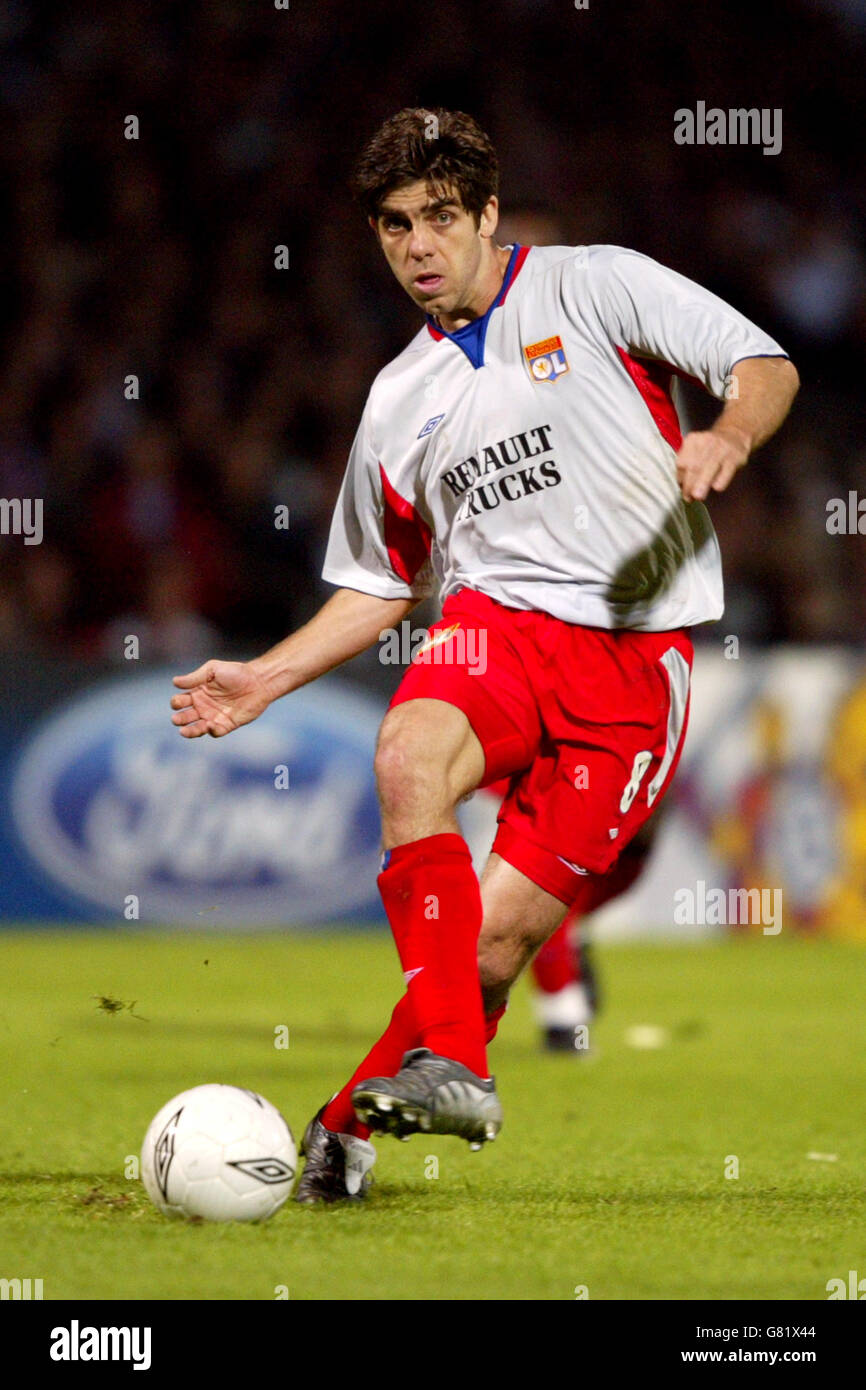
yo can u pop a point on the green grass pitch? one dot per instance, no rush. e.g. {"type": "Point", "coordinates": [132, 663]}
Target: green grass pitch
{"type": "Point", "coordinates": [609, 1174]}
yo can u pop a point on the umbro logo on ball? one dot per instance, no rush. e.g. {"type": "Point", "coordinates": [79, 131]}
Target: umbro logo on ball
{"type": "Point", "coordinates": [265, 1169]}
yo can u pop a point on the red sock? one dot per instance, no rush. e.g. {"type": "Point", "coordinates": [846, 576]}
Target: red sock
{"type": "Point", "coordinates": [383, 1059]}
{"type": "Point", "coordinates": [491, 1023]}
{"type": "Point", "coordinates": [433, 902]}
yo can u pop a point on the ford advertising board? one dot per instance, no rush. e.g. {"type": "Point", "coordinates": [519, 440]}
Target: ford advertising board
{"type": "Point", "coordinates": [273, 825]}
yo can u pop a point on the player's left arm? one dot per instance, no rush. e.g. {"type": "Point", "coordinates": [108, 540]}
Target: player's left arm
{"type": "Point", "coordinates": [709, 459]}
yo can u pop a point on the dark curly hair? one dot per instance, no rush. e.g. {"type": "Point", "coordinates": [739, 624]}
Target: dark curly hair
{"type": "Point", "coordinates": [445, 148]}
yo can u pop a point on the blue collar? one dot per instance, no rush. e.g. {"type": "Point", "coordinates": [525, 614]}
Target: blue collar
{"type": "Point", "coordinates": [470, 338]}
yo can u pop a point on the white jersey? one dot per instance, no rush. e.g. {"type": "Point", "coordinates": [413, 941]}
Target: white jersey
{"type": "Point", "coordinates": [531, 455]}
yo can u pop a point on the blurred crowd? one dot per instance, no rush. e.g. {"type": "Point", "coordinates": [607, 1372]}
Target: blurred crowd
{"type": "Point", "coordinates": [165, 386]}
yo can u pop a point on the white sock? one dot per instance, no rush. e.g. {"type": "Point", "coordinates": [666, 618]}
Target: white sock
{"type": "Point", "coordinates": [567, 1008]}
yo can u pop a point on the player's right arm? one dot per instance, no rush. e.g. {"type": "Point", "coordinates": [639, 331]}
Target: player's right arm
{"type": "Point", "coordinates": [223, 695]}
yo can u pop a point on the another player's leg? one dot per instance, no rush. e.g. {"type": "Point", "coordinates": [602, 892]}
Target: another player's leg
{"type": "Point", "coordinates": [561, 1000]}
{"type": "Point", "coordinates": [566, 997]}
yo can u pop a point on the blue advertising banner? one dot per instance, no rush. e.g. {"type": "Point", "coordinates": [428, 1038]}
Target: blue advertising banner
{"type": "Point", "coordinates": [111, 816]}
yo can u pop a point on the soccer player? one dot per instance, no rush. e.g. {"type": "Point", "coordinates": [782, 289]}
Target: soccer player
{"type": "Point", "coordinates": [523, 452]}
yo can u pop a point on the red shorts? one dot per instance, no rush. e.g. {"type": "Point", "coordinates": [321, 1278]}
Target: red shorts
{"type": "Point", "coordinates": [587, 724]}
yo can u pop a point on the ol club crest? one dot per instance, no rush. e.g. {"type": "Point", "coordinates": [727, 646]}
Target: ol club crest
{"type": "Point", "coordinates": [547, 360]}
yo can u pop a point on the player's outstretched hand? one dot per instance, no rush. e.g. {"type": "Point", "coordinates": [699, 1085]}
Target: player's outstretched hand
{"type": "Point", "coordinates": [218, 697]}
{"type": "Point", "coordinates": [709, 459]}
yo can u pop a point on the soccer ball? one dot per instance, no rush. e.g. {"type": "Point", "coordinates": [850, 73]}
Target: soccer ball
{"type": "Point", "coordinates": [220, 1153]}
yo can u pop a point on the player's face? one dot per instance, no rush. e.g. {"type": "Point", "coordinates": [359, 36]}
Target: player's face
{"type": "Point", "coordinates": [437, 251]}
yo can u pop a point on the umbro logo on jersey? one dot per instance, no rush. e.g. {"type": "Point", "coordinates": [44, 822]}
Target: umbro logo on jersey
{"type": "Point", "coordinates": [546, 359]}
{"type": "Point", "coordinates": [568, 864]}
{"type": "Point", "coordinates": [431, 425]}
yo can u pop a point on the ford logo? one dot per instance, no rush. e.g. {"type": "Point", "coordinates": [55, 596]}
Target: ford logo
{"type": "Point", "coordinates": [111, 802]}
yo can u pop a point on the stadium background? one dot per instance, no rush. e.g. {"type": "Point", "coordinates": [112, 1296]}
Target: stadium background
{"type": "Point", "coordinates": [155, 257]}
